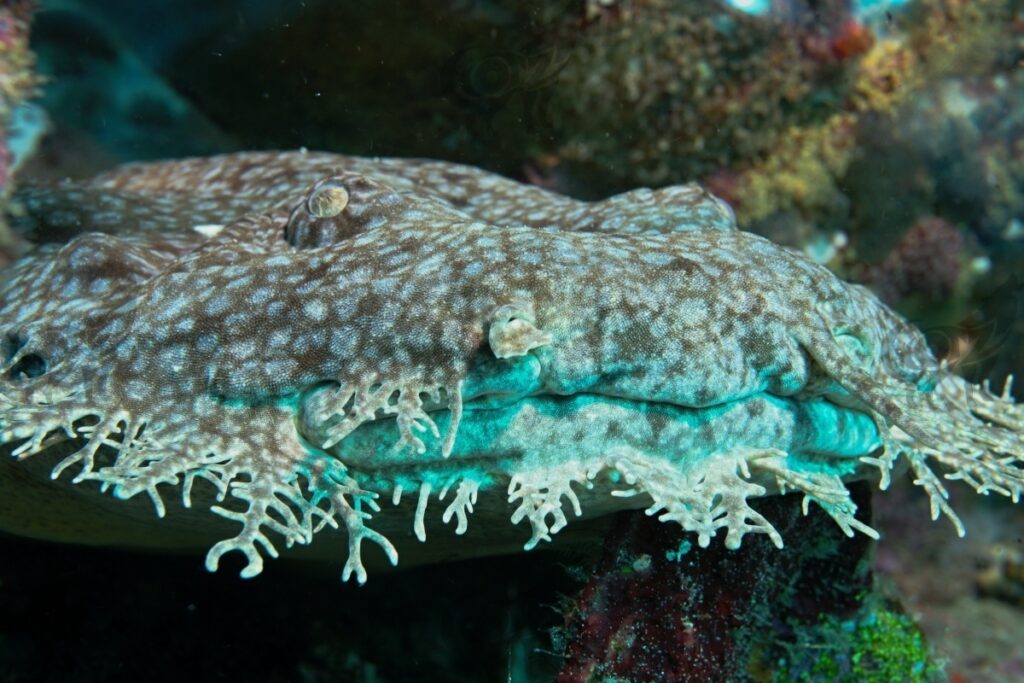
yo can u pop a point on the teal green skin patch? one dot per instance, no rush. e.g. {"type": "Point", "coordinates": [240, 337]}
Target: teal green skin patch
{"type": "Point", "coordinates": [817, 434]}
{"type": "Point", "coordinates": [510, 440]}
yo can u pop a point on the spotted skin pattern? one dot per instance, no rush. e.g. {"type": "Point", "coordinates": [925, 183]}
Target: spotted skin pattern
{"type": "Point", "coordinates": [308, 335]}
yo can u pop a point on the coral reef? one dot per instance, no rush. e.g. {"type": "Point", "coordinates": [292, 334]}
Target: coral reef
{"type": "Point", "coordinates": [655, 608]}
{"type": "Point", "coordinates": [516, 86]}
{"type": "Point", "coordinates": [772, 109]}
{"type": "Point", "coordinates": [689, 91]}
{"type": "Point", "coordinates": [937, 40]}
{"type": "Point", "coordinates": [634, 352]}
{"type": "Point", "coordinates": [877, 646]}
{"type": "Point", "coordinates": [927, 262]}
{"type": "Point", "coordinates": [17, 82]}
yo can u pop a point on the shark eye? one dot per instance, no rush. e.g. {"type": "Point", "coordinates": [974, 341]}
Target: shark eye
{"type": "Point", "coordinates": [327, 200]}
{"type": "Point", "coordinates": [343, 206]}
{"type": "Point", "coordinates": [320, 219]}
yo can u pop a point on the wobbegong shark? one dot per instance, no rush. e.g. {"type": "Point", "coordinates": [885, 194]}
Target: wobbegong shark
{"type": "Point", "coordinates": [299, 342]}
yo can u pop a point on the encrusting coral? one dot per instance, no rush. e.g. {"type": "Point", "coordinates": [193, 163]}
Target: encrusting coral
{"type": "Point", "coordinates": [295, 339]}
{"type": "Point", "coordinates": [17, 82]}
{"type": "Point", "coordinates": [929, 43]}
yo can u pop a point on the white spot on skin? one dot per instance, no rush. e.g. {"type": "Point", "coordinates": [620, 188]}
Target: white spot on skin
{"type": "Point", "coordinates": [261, 295]}
{"type": "Point", "coordinates": [315, 310]}
{"type": "Point", "coordinates": [208, 229]}
{"type": "Point", "coordinates": [218, 305]}
{"type": "Point", "coordinates": [207, 343]}
{"type": "Point", "coordinates": [243, 349]}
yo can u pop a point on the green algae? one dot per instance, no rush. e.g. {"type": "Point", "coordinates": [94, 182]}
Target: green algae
{"type": "Point", "coordinates": [877, 645]}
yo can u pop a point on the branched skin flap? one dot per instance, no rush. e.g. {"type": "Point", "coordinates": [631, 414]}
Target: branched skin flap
{"type": "Point", "coordinates": [294, 339]}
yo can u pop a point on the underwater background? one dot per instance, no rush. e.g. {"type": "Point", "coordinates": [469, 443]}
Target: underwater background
{"type": "Point", "coordinates": [885, 139]}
